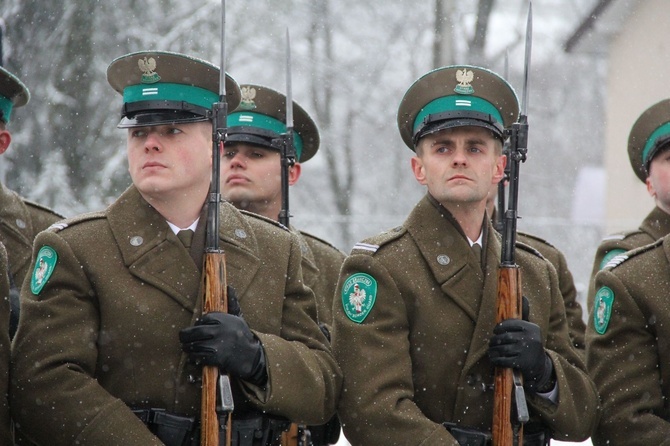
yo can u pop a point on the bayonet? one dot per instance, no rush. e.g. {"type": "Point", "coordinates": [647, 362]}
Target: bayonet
{"type": "Point", "coordinates": [287, 148]}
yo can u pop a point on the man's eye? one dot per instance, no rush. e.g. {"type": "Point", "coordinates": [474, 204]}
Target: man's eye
{"type": "Point", "coordinates": [229, 154]}
{"type": "Point", "coordinates": [173, 131]}
{"type": "Point", "coordinates": [138, 133]}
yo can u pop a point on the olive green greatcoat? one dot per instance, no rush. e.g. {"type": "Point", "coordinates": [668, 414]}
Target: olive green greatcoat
{"type": "Point", "coordinates": [655, 226]}
{"type": "Point", "coordinates": [321, 270]}
{"type": "Point", "coordinates": [630, 362]}
{"type": "Point", "coordinates": [5, 435]}
{"type": "Point", "coordinates": [566, 283]}
{"type": "Point", "coordinates": [420, 357]}
{"type": "Point", "coordinates": [102, 336]}
{"type": "Point", "coordinates": [20, 222]}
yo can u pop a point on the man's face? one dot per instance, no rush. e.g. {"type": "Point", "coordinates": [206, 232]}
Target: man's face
{"type": "Point", "coordinates": [250, 176]}
{"type": "Point", "coordinates": [174, 160]}
{"type": "Point", "coordinates": [459, 165]}
{"type": "Point", "coordinates": [658, 181]}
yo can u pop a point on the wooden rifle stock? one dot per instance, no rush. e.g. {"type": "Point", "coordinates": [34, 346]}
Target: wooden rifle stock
{"type": "Point", "coordinates": [215, 299]}
{"type": "Point", "coordinates": [508, 306]}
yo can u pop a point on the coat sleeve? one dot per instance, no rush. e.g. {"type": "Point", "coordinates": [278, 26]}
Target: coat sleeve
{"type": "Point", "coordinates": [376, 406]}
{"type": "Point", "coordinates": [304, 381]}
{"type": "Point", "coordinates": [54, 396]}
{"type": "Point", "coordinates": [629, 382]}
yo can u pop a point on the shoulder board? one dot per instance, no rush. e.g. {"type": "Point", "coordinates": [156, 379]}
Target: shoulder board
{"type": "Point", "coordinates": [261, 217]}
{"type": "Point", "coordinates": [620, 235]}
{"type": "Point", "coordinates": [318, 239]}
{"type": "Point", "coordinates": [372, 244]}
{"type": "Point", "coordinates": [621, 258]}
{"type": "Point", "coordinates": [535, 237]}
{"type": "Point", "coordinates": [528, 248]}
{"type": "Point", "coordinates": [41, 208]}
{"type": "Point", "coordinates": [72, 221]}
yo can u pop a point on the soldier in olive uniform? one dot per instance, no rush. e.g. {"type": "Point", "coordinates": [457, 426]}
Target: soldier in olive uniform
{"type": "Point", "coordinates": [415, 330]}
{"type": "Point", "coordinates": [573, 310]}
{"type": "Point", "coordinates": [5, 430]}
{"type": "Point", "coordinates": [627, 347]}
{"type": "Point", "coordinates": [251, 177]}
{"type": "Point", "coordinates": [112, 334]}
{"type": "Point", "coordinates": [251, 172]}
{"type": "Point", "coordinates": [648, 144]}
{"type": "Point", "coordinates": [20, 219]}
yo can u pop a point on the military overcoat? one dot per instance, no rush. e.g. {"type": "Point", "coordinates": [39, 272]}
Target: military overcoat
{"type": "Point", "coordinates": [20, 221]}
{"type": "Point", "coordinates": [321, 270]}
{"type": "Point", "coordinates": [628, 356]}
{"type": "Point", "coordinates": [566, 283]}
{"type": "Point", "coordinates": [102, 335]}
{"type": "Point", "coordinates": [5, 436]}
{"type": "Point", "coordinates": [656, 225]}
{"type": "Point", "coordinates": [419, 358]}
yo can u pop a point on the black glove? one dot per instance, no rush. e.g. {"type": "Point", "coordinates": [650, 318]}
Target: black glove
{"type": "Point", "coordinates": [518, 344]}
{"type": "Point", "coordinates": [226, 341]}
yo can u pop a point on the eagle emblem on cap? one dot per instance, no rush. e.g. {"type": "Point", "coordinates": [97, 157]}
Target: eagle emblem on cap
{"type": "Point", "coordinates": [248, 96]}
{"type": "Point", "coordinates": [464, 77]}
{"type": "Point", "coordinates": [148, 65]}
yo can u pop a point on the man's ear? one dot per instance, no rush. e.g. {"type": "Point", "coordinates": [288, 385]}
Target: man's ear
{"type": "Point", "coordinates": [417, 168]}
{"type": "Point", "coordinates": [294, 173]}
{"type": "Point", "coordinates": [5, 140]}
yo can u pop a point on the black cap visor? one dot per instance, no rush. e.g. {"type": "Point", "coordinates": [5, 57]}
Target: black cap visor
{"type": "Point", "coordinates": [254, 135]}
{"type": "Point", "coordinates": [150, 113]}
{"type": "Point", "coordinates": [440, 121]}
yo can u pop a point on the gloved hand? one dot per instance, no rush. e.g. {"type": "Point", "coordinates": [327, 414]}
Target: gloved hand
{"type": "Point", "coordinates": [518, 344]}
{"type": "Point", "coordinates": [225, 340]}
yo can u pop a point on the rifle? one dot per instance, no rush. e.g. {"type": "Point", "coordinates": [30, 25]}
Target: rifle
{"type": "Point", "coordinates": [214, 272]}
{"type": "Point", "coordinates": [507, 381]}
{"type": "Point", "coordinates": [287, 147]}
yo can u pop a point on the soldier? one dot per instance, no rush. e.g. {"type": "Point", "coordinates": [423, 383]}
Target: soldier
{"type": "Point", "coordinates": [648, 144]}
{"type": "Point", "coordinates": [251, 177]}
{"type": "Point", "coordinates": [627, 348]}
{"type": "Point", "coordinates": [20, 219]}
{"type": "Point", "coordinates": [251, 180]}
{"type": "Point", "coordinates": [415, 332]}
{"type": "Point", "coordinates": [114, 300]}
{"type": "Point", "coordinates": [573, 310]}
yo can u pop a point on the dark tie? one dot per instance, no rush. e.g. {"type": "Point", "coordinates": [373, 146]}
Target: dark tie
{"type": "Point", "coordinates": [186, 236]}
{"type": "Point", "coordinates": [477, 249]}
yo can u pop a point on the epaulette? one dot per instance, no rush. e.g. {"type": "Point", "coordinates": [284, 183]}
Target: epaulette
{"type": "Point", "coordinates": [318, 239]}
{"type": "Point", "coordinates": [372, 244]}
{"type": "Point", "coordinates": [528, 248]}
{"type": "Point", "coordinates": [616, 237]}
{"type": "Point", "coordinates": [535, 237]}
{"type": "Point", "coordinates": [621, 258]}
{"type": "Point", "coordinates": [263, 218]}
{"type": "Point", "coordinates": [41, 207]}
{"type": "Point", "coordinates": [72, 221]}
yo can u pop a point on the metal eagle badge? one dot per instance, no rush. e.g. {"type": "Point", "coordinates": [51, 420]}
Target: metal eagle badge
{"type": "Point", "coordinates": [148, 65]}
{"type": "Point", "coordinates": [464, 77]}
{"type": "Point", "coordinates": [248, 96]}
{"type": "Point", "coordinates": [359, 293]}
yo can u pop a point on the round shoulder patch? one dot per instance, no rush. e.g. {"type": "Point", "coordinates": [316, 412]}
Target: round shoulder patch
{"type": "Point", "coordinates": [44, 268]}
{"type": "Point", "coordinates": [358, 296]}
{"type": "Point", "coordinates": [603, 309]}
{"type": "Point", "coordinates": [610, 255]}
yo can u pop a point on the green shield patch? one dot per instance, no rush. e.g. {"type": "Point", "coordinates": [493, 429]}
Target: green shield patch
{"type": "Point", "coordinates": [44, 268]}
{"type": "Point", "coordinates": [358, 296]}
{"type": "Point", "coordinates": [603, 309]}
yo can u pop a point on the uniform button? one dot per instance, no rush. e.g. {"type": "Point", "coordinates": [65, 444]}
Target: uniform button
{"type": "Point", "coordinates": [240, 233]}
{"type": "Point", "coordinates": [136, 240]}
{"type": "Point", "coordinates": [443, 259]}
{"type": "Point", "coordinates": [20, 223]}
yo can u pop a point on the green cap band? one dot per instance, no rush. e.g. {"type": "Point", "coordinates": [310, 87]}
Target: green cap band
{"type": "Point", "coordinates": [455, 103]}
{"type": "Point", "coordinates": [660, 132]}
{"type": "Point", "coordinates": [6, 108]}
{"type": "Point", "coordinates": [170, 92]}
{"type": "Point", "coordinates": [265, 122]}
